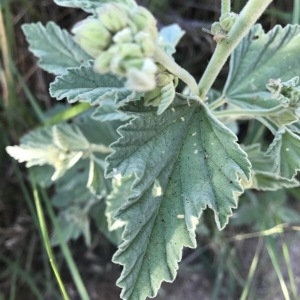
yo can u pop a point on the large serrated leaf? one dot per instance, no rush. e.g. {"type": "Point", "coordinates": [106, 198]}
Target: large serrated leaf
{"type": "Point", "coordinates": [285, 149]}
{"type": "Point", "coordinates": [184, 160]}
{"type": "Point", "coordinates": [83, 84]}
{"type": "Point", "coordinates": [89, 5]}
{"type": "Point", "coordinates": [54, 47]}
{"type": "Point", "coordinates": [260, 57]}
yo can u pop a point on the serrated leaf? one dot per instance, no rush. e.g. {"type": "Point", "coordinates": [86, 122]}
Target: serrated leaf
{"type": "Point", "coordinates": [260, 57]}
{"type": "Point", "coordinates": [54, 47]}
{"type": "Point", "coordinates": [262, 176]}
{"type": "Point", "coordinates": [267, 181]}
{"type": "Point", "coordinates": [89, 5]}
{"type": "Point", "coordinates": [285, 149]}
{"type": "Point", "coordinates": [107, 112]}
{"type": "Point", "coordinates": [116, 199]}
{"type": "Point", "coordinates": [184, 160]}
{"type": "Point", "coordinates": [83, 84]}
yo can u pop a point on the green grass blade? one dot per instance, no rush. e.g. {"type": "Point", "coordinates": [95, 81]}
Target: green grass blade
{"type": "Point", "coordinates": [288, 263]}
{"type": "Point", "coordinates": [271, 248]}
{"type": "Point", "coordinates": [47, 241]}
{"type": "Point", "coordinates": [65, 250]}
{"type": "Point", "coordinates": [68, 113]}
{"type": "Point", "coordinates": [252, 270]}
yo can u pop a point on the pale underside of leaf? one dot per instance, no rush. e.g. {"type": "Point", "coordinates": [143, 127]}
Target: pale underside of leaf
{"type": "Point", "coordinates": [83, 84]}
{"type": "Point", "coordinates": [184, 160]}
{"type": "Point", "coordinates": [54, 47]}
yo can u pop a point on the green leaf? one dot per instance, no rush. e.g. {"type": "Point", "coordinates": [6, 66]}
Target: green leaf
{"type": "Point", "coordinates": [107, 112]}
{"type": "Point", "coordinates": [89, 5]}
{"type": "Point", "coordinates": [97, 213]}
{"type": "Point", "coordinates": [116, 199]}
{"type": "Point", "coordinates": [285, 149]}
{"type": "Point", "coordinates": [262, 176]}
{"type": "Point", "coordinates": [183, 161]}
{"type": "Point", "coordinates": [54, 47]}
{"type": "Point", "coordinates": [83, 84]}
{"type": "Point", "coordinates": [169, 37]}
{"type": "Point", "coordinates": [260, 57]}
{"type": "Point", "coordinates": [167, 96]}
{"type": "Point", "coordinates": [74, 222]}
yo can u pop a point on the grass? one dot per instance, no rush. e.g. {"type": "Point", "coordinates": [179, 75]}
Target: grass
{"type": "Point", "coordinates": [26, 264]}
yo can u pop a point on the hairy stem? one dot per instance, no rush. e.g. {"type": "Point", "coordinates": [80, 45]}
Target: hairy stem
{"type": "Point", "coordinates": [237, 113]}
{"type": "Point", "coordinates": [225, 7]}
{"type": "Point", "coordinates": [161, 57]}
{"type": "Point", "coordinates": [248, 16]}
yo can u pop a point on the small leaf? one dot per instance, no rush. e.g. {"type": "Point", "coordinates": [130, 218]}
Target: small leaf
{"type": "Point", "coordinates": [107, 112]}
{"type": "Point", "coordinates": [169, 38]}
{"type": "Point", "coordinates": [74, 222]}
{"type": "Point", "coordinates": [267, 181]}
{"type": "Point", "coordinates": [262, 176]}
{"type": "Point", "coordinates": [167, 97]}
{"type": "Point", "coordinates": [54, 47]}
{"type": "Point", "coordinates": [83, 84]}
{"type": "Point", "coordinates": [183, 161]}
{"type": "Point", "coordinates": [89, 5]}
{"type": "Point", "coordinates": [285, 149]}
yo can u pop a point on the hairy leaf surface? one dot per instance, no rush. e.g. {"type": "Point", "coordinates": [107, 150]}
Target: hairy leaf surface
{"type": "Point", "coordinates": [262, 176]}
{"type": "Point", "coordinates": [54, 47]}
{"type": "Point", "coordinates": [107, 112]}
{"type": "Point", "coordinates": [260, 57]}
{"type": "Point", "coordinates": [83, 84]}
{"type": "Point", "coordinates": [184, 160]}
{"type": "Point", "coordinates": [285, 149]}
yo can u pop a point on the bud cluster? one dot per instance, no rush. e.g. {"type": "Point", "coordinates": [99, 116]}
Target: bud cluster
{"type": "Point", "coordinates": [288, 93]}
{"type": "Point", "coordinates": [122, 41]}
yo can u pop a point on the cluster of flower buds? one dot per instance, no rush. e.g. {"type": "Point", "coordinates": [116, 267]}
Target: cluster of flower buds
{"type": "Point", "coordinates": [122, 41]}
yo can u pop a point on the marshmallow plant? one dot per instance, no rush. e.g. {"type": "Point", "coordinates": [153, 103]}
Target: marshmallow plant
{"type": "Point", "coordinates": [176, 151]}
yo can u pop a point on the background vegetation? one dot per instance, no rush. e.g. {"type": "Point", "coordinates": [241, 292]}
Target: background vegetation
{"type": "Point", "coordinates": [256, 257]}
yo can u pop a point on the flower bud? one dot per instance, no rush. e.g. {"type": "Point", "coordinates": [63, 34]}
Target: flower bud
{"type": "Point", "coordinates": [102, 62]}
{"type": "Point", "coordinates": [144, 21]}
{"type": "Point", "coordinates": [129, 50]}
{"type": "Point", "coordinates": [227, 20]}
{"type": "Point", "coordinates": [144, 79]}
{"type": "Point", "coordinates": [164, 78]}
{"type": "Point", "coordinates": [113, 16]}
{"type": "Point", "coordinates": [123, 36]}
{"type": "Point", "coordinates": [91, 36]}
{"type": "Point", "coordinates": [147, 45]}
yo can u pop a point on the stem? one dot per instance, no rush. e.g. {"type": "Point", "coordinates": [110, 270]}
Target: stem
{"type": "Point", "coordinates": [161, 57]}
{"type": "Point", "coordinates": [248, 16]}
{"type": "Point", "coordinates": [216, 104]}
{"type": "Point", "coordinates": [296, 12]}
{"type": "Point", "coordinates": [225, 7]}
{"type": "Point", "coordinates": [248, 112]}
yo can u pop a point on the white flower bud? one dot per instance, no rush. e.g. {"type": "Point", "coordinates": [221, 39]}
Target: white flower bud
{"type": "Point", "coordinates": [113, 16]}
{"type": "Point", "coordinates": [91, 36]}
